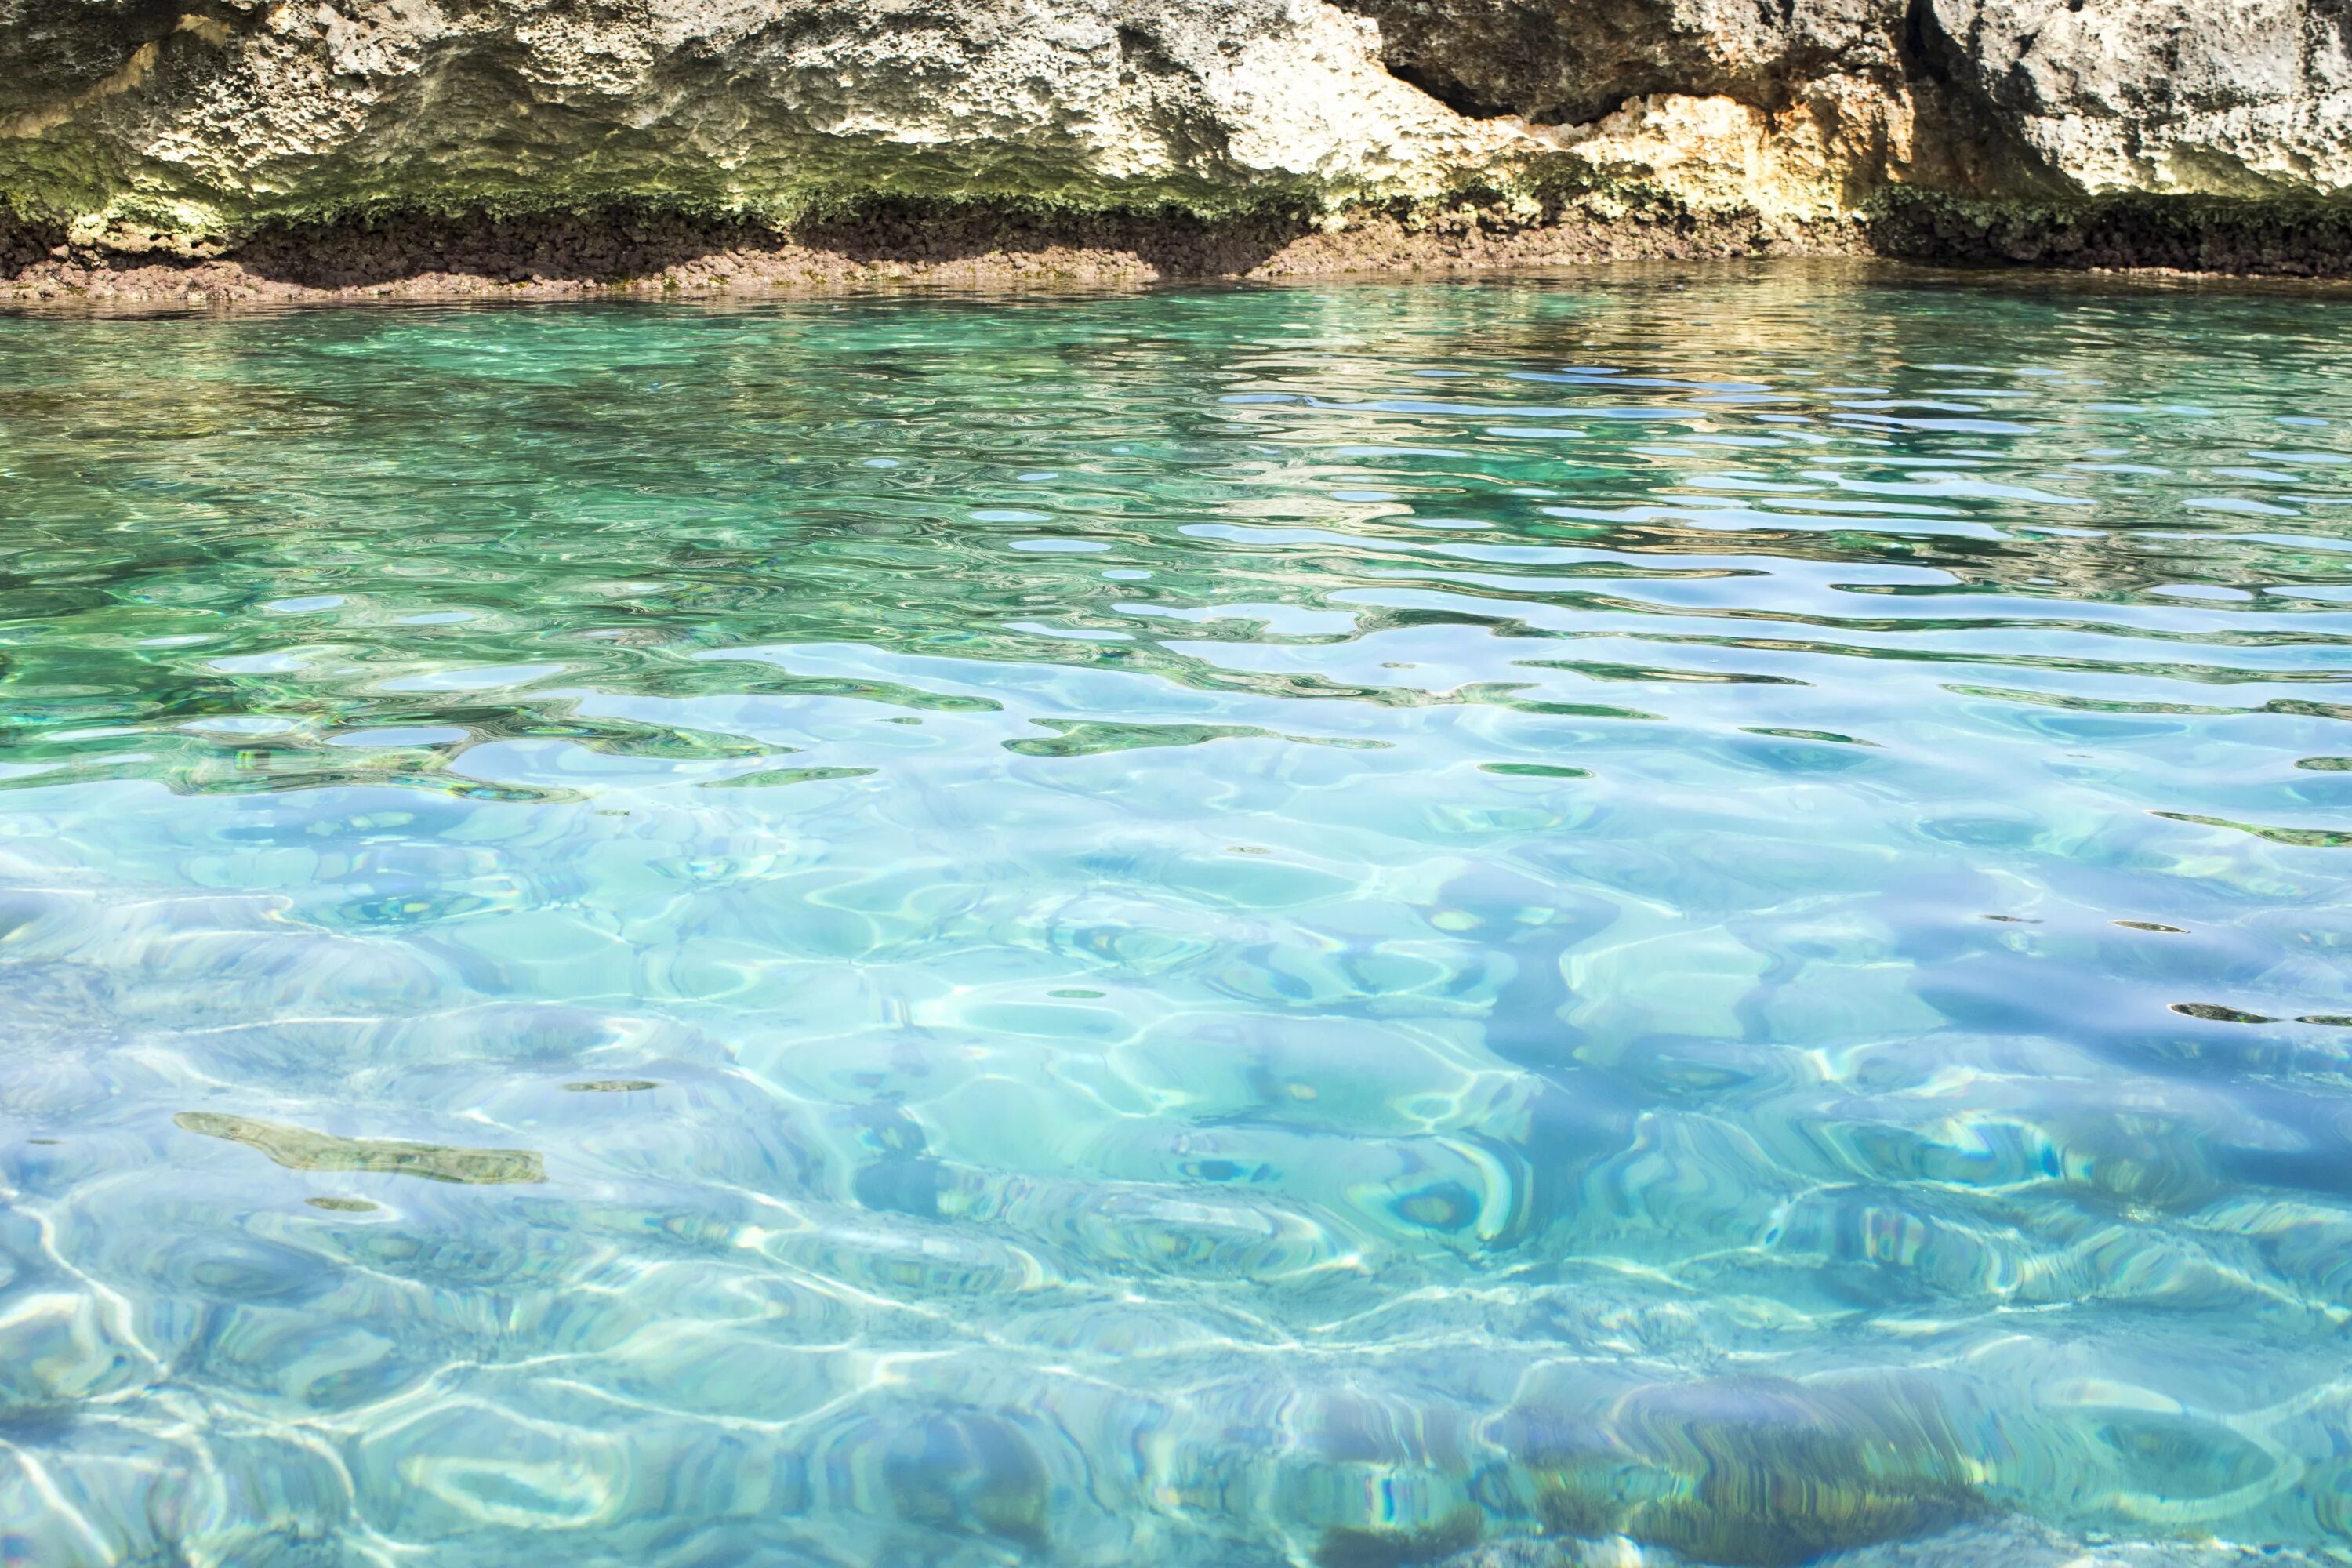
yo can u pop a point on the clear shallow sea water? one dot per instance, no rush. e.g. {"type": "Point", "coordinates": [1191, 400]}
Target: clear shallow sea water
{"type": "Point", "coordinates": [1222, 928]}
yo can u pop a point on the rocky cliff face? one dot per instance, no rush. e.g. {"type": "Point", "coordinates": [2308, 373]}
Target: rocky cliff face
{"type": "Point", "coordinates": [2224, 97]}
{"type": "Point", "coordinates": [186, 129]}
{"type": "Point", "coordinates": [2050, 99]}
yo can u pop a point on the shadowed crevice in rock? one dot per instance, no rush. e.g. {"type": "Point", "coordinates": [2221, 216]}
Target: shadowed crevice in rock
{"type": "Point", "coordinates": [2187, 233]}
{"type": "Point", "coordinates": [639, 253]}
{"type": "Point", "coordinates": [627, 246]}
{"type": "Point", "coordinates": [636, 253]}
{"type": "Point", "coordinates": [1169, 242]}
{"type": "Point", "coordinates": [60, 50]}
{"type": "Point", "coordinates": [1973, 148]}
{"type": "Point", "coordinates": [1556, 63]}
{"type": "Point", "coordinates": [27, 243]}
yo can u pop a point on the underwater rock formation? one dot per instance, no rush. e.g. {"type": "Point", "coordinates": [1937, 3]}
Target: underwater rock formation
{"type": "Point", "coordinates": [362, 143]}
{"type": "Point", "coordinates": [1756, 1472]}
{"type": "Point", "coordinates": [299, 1148]}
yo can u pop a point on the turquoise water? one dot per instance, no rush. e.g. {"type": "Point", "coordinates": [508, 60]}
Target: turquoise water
{"type": "Point", "coordinates": [1226, 928]}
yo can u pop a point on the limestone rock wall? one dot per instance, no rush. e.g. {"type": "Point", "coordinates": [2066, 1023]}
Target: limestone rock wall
{"type": "Point", "coordinates": [126, 114]}
{"type": "Point", "coordinates": [181, 126]}
{"type": "Point", "coordinates": [2240, 98]}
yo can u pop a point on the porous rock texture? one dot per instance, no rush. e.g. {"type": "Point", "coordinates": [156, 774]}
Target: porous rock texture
{"type": "Point", "coordinates": [260, 146]}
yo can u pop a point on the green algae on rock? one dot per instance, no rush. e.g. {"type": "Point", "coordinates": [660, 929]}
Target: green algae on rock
{"type": "Point", "coordinates": [299, 1148]}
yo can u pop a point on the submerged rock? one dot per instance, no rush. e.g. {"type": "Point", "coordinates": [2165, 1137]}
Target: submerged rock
{"type": "Point", "coordinates": [2008, 1543]}
{"type": "Point", "coordinates": [299, 1148]}
{"type": "Point", "coordinates": [1753, 1472]}
{"type": "Point", "coordinates": [969, 1472]}
{"type": "Point", "coordinates": [1350, 1547]}
{"type": "Point", "coordinates": [59, 1348]}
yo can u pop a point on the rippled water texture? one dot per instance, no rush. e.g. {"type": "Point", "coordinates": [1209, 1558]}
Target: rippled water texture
{"type": "Point", "coordinates": [1200, 929]}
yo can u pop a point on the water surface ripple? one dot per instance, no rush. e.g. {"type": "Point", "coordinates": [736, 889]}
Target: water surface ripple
{"type": "Point", "coordinates": [1685, 913]}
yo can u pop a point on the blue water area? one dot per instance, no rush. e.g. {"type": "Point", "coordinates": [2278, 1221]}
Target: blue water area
{"type": "Point", "coordinates": [1634, 916]}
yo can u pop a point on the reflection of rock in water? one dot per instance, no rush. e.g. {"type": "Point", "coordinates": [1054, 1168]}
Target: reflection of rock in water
{"type": "Point", "coordinates": [299, 1148]}
{"type": "Point", "coordinates": [1759, 1473]}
